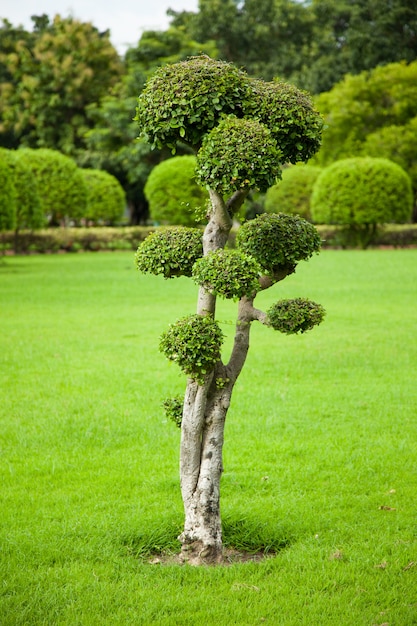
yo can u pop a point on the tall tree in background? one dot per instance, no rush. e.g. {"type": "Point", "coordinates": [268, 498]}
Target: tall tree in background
{"type": "Point", "coordinates": [50, 77]}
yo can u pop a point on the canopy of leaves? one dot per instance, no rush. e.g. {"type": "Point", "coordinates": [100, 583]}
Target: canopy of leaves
{"type": "Point", "coordinates": [238, 154]}
{"type": "Point", "coordinates": [173, 193]}
{"type": "Point", "coordinates": [362, 190]}
{"type": "Point", "coordinates": [194, 343]}
{"type": "Point", "coordinates": [295, 316]}
{"type": "Point", "coordinates": [170, 252]}
{"type": "Point", "coordinates": [184, 101]}
{"type": "Point", "coordinates": [292, 194]}
{"type": "Point", "coordinates": [28, 205]}
{"type": "Point", "coordinates": [228, 273]}
{"type": "Point", "coordinates": [61, 185]}
{"type": "Point", "coordinates": [278, 241]}
{"type": "Point", "coordinates": [106, 200]}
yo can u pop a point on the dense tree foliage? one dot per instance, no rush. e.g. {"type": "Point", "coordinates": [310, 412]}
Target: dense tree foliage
{"type": "Point", "coordinates": [7, 196]}
{"type": "Point", "coordinates": [106, 200]}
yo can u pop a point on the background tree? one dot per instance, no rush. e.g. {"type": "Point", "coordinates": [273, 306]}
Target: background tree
{"type": "Point", "coordinates": [292, 194]}
{"type": "Point", "coordinates": [61, 186]}
{"type": "Point", "coordinates": [362, 194]}
{"type": "Point", "coordinates": [242, 131]}
{"type": "Point", "coordinates": [106, 200]}
{"type": "Point", "coordinates": [173, 194]}
{"type": "Point", "coordinates": [51, 78]}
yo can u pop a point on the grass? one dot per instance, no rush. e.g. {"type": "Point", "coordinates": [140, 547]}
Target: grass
{"type": "Point", "coordinates": [320, 451]}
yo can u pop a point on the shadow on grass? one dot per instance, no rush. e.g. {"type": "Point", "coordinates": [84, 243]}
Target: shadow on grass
{"type": "Point", "coordinates": [242, 534]}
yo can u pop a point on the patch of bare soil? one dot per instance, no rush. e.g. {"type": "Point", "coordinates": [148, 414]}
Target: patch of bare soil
{"type": "Point", "coordinates": [230, 556]}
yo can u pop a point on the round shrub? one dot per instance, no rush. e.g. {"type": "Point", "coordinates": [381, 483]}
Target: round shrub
{"type": "Point", "coordinates": [292, 194]}
{"type": "Point", "coordinates": [238, 154]}
{"type": "Point", "coordinates": [28, 205]}
{"type": "Point", "coordinates": [194, 343]}
{"type": "Point", "coordinates": [7, 196]}
{"type": "Point", "coordinates": [170, 252]}
{"type": "Point", "coordinates": [295, 316]}
{"type": "Point", "coordinates": [173, 193]}
{"type": "Point", "coordinates": [278, 241]}
{"type": "Point", "coordinates": [228, 273]}
{"type": "Point", "coordinates": [106, 199]}
{"type": "Point", "coordinates": [61, 187]}
{"type": "Point", "coordinates": [362, 193]}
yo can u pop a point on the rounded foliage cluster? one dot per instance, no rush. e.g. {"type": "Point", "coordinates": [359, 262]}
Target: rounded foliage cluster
{"type": "Point", "coordinates": [173, 409]}
{"type": "Point", "coordinates": [292, 194]}
{"type": "Point", "coordinates": [183, 101]}
{"type": "Point", "coordinates": [170, 252]}
{"type": "Point", "coordinates": [194, 343]}
{"type": "Point", "coordinates": [28, 209]}
{"type": "Point", "coordinates": [362, 191]}
{"type": "Point", "coordinates": [61, 186]}
{"type": "Point", "coordinates": [106, 200]}
{"type": "Point", "coordinates": [238, 154]}
{"type": "Point", "coordinates": [294, 316]}
{"type": "Point", "coordinates": [289, 114]}
{"type": "Point", "coordinates": [7, 196]}
{"type": "Point", "coordinates": [228, 273]}
{"type": "Point", "coordinates": [172, 192]}
{"type": "Point", "coordinates": [278, 241]}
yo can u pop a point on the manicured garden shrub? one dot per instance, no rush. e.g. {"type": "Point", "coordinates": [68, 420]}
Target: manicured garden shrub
{"type": "Point", "coordinates": [361, 194]}
{"type": "Point", "coordinates": [61, 186]}
{"type": "Point", "coordinates": [173, 193]}
{"type": "Point", "coordinates": [292, 194]}
{"type": "Point", "coordinates": [7, 195]}
{"type": "Point", "coordinates": [28, 205]}
{"type": "Point", "coordinates": [106, 199]}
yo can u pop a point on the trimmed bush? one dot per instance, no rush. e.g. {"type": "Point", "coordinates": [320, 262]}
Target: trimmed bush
{"type": "Point", "coordinates": [106, 199]}
{"type": "Point", "coordinates": [61, 186]}
{"type": "Point", "coordinates": [7, 196]}
{"type": "Point", "coordinates": [361, 194]}
{"type": "Point", "coordinates": [173, 194]}
{"type": "Point", "coordinates": [292, 194]}
{"type": "Point", "coordinates": [28, 205]}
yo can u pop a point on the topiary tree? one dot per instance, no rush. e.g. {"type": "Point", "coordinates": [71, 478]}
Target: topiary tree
{"type": "Point", "coordinates": [173, 194]}
{"type": "Point", "coordinates": [361, 194]}
{"type": "Point", "coordinates": [106, 199]}
{"type": "Point", "coordinates": [292, 194]}
{"type": "Point", "coordinates": [61, 186]}
{"type": "Point", "coordinates": [242, 132]}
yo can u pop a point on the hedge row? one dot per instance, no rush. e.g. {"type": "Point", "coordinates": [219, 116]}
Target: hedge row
{"type": "Point", "coordinates": [54, 240]}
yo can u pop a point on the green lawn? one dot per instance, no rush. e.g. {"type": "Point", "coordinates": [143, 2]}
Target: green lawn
{"type": "Point", "coordinates": [320, 451]}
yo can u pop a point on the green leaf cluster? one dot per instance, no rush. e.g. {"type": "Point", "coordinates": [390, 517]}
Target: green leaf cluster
{"type": "Point", "coordinates": [173, 409]}
{"type": "Point", "coordinates": [172, 192]}
{"type": "Point", "coordinates": [360, 191]}
{"type": "Point", "coordinates": [292, 194]}
{"type": "Point", "coordinates": [278, 241]}
{"type": "Point", "coordinates": [295, 316]}
{"type": "Point", "coordinates": [184, 101]}
{"type": "Point", "coordinates": [106, 200]}
{"type": "Point", "coordinates": [239, 154]}
{"type": "Point", "coordinates": [194, 343]}
{"type": "Point", "coordinates": [228, 273]}
{"type": "Point", "coordinates": [170, 252]}
{"type": "Point", "coordinates": [289, 114]}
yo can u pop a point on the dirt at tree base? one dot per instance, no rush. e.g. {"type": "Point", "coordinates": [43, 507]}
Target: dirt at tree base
{"type": "Point", "coordinates": [230, 556]}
